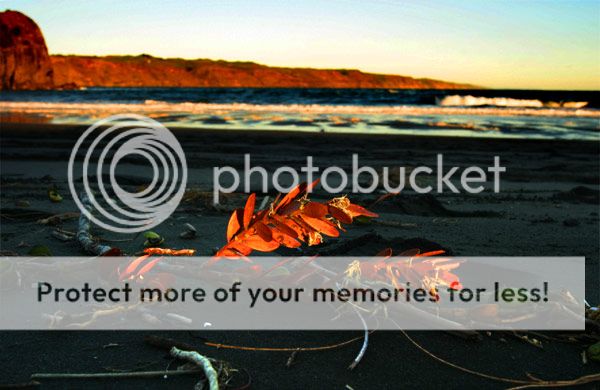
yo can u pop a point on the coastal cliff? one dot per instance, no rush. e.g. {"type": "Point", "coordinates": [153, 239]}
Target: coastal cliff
{"type": "Point", "coordinates": [148, 71]}
{"type": "Point", "coordinates": [25, 64]}
{"type": "Point", "coordinates": [24, 60]}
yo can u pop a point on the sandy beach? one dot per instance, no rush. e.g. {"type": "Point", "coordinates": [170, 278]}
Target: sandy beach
{"type": "Point", "coordinates": [547, 206]}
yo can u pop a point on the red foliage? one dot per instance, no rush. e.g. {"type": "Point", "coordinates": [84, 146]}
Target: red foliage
{"type": "Point", "coordinates": [289, 221]}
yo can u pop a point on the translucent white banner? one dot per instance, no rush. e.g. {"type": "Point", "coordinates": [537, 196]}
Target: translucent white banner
{"type": "Point", "coordinates": [277, 293]}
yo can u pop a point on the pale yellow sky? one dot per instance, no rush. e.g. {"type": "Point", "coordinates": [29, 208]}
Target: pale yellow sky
{"type": "Point", "coordinates": [498, 44]}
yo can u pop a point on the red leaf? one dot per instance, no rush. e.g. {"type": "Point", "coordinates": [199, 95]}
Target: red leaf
{"type": "Point", "coordinates": [293, 194]}
{"type": "Point", "coordinates": [148, 267]}
{"type": "Point", "coordinates": [387, 252]}
{"type": "Point", "coordinates": [263, 231]}
{"type": "Point", "coordinates": [322, 226]}
{"type": "Point", "coordinates": [234, 225]}
{"type": "Point", "coordinates": [410, 253]}
{"type": "Point", "coordinates": [249, 210]}
{"type": "Point", "coordinates": [295, 226]}
{"type": "Point", "coordinates": [356, 210]}
{"type": "Point", "coordinates": [431, 253]}
{"type": "Point", "coordinates": [314, 210]}
{"type": "Point", "coordinates": [285, 229]}
{"type": "Point", "coordinates": [285, 239]}
{"type": "Point", "coordinates": [257, 243]}
{"type": "Point", "coordinates": [339, 214]}
{"type": "Point", "coordinates": [133, 265]}
{"type": "Point", "coordinates": [312, 185]}
{"type": "Point", "coordinates": [113, 252]}
{"type": "Point", "coordinates": [290, 208]}
{"type": "Point", "coordinates": [234, 249]}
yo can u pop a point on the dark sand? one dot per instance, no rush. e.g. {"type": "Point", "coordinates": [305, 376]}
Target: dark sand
{"type": "Point", "coordinates": [548, 206]}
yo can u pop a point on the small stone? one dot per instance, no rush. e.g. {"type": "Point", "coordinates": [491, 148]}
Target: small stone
{"type": "Point", "coordinates": [189, 232]}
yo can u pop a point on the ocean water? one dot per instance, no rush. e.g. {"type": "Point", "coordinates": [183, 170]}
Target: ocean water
{"type": "Point", "coordinates": [475, 113]}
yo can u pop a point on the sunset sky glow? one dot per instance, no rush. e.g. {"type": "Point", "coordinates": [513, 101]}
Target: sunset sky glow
{"type": "Point", "coordinates": [498, 44]}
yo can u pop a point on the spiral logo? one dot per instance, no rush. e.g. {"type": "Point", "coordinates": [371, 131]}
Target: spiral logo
{"type": "Point", "coordinates": [129, 139]}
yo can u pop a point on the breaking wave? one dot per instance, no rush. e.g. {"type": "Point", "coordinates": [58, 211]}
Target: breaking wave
{"type": "Point", "coordinates": [474, 101]}
{"type": "Point", "coordinates": [447, 106]}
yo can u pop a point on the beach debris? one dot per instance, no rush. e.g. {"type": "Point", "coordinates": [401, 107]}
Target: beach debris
{"type": "Point", "coordinates": [116, 375]}
{"type": "Point", "coordinates": [201, 361]}
{"type": "Point", "coordinates": [39, 250]}
{"type": "Point", "coordinates": [84, 236]}
{"type": "Point", "coordinates": [22, 385]}
{"type": "Point", "coordinates": [58, 218]}
{"type": "Point", "coordinates": [365, 344]}
{"type": "Point", "coordinates": [593, 352]}
{"type": "Point", "coordinates": [592, 318]}
{"type": "Point", "coordinates": [113, 252]}
{"type": "Point", "coordinates": [292, 359]}
{"type": "Point", "coordinates": [533, 382]}
{"type": "Point", "coordinates": [530, 340]}
{"type": "Point", "coordinates": [153, 239]}
{"type": "Point", "coordinates": [22, 203]}
{"type": "Point", "coordinates": [189, 232]}
{"type": "Point", "coordinates": [289, 221]}
{"type": "Point", "coordinates": [62, 236]}
{"type": "Point", "coordinates": [54, 196]}
{"type": "Point", "coordinates": [169, 252]}
{"type": "Point", "coordinates": [111, 345]}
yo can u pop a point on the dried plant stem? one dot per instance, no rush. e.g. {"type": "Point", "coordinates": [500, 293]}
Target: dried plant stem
{"type": "Point", "coordinates": [202, 361]}
{"type": "Point", "coordinates": [481, 374]}
{"type": "Point", "coordinates": [365, 344]}
{"type": "Point", "coordinates": [523, 384]}
{"type": "Point", "coordinates": [282, 349]}
{"type": "Point", "coordinates": [571, 382]}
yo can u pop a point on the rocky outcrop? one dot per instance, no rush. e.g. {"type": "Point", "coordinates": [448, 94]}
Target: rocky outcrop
{"type": "Point", "coordinates": [24, 60]}
{"type": "Point", "coordinates": [148, 71]}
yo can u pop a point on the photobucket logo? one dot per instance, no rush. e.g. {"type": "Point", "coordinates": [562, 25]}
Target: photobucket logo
{"type": "Point", "coordinates": [128, 139]}
{"type": "Point", "coordinates": [471, 179]}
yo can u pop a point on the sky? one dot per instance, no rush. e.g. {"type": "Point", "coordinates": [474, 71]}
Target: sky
{"type": "Point", "coordinates": [493, 43]}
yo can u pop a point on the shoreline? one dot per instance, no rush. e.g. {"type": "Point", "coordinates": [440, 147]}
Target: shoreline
{"type": "Point", "coordinates": [22, 129]}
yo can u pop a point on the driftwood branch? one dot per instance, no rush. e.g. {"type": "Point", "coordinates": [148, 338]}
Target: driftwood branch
{"type": "Point", "coordinates": [84, 236]}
